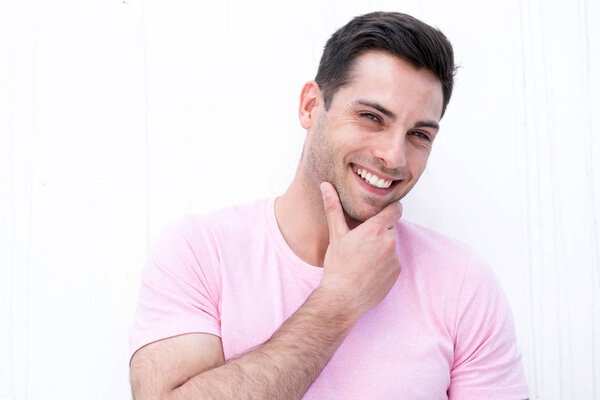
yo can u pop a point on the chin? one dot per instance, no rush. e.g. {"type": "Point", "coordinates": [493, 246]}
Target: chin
{"type": "Point", "coordinates": [358, 215]}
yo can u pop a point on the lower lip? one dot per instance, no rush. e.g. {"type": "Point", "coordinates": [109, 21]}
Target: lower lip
{"type": "Point", "coordinates": [373, 189]}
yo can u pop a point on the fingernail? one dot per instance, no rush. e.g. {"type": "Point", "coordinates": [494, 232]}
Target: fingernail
{"type": "Point", "coordinates": [323, 187]}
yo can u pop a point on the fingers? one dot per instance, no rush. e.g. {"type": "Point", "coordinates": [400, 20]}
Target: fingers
{"type": "Point", "coordinates": [333, 210]}
{"type": "Point", "coordinates": [336, 221]}
{"type": "Point", "coordinates": [389, 215]}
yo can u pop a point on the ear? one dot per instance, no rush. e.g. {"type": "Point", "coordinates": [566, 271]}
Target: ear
{"type": "Point", "coordinates": [309, 99]}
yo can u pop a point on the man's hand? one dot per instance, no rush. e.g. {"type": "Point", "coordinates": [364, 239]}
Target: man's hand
{"type": "Point", "coordinates": [361, 265]}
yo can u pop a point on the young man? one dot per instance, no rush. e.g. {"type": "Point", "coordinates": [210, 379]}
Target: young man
{"type": "Point", "coordinates": [324, 293]}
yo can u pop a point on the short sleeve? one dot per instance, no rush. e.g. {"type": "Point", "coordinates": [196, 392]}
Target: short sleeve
{"type": "Point", "coordinates": [180, 286]}
{"type": "Point", "coordinates": [487, 361]}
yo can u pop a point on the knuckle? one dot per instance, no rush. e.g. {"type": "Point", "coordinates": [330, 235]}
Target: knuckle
{"type": "Point", "coordinates": [389, 244]}
{"type": "Point", "coordinates": [370, 229]}
{"type": "Point", "coordinates": [330, 207]}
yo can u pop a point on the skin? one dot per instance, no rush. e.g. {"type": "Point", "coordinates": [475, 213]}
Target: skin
{"type": "Point", "coordinates": [329, 219]}
{"type": "Point", "coordinates": [352, 133]}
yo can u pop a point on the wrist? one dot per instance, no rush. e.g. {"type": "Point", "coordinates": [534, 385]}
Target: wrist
{"type": "Point", "coordinates": [334, 305]}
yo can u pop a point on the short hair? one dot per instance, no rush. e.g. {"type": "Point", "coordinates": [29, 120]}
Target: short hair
{"type": "Point", "coordinates": [398, 34]}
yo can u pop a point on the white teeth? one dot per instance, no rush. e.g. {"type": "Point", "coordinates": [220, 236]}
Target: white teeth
{"type": "Point", "coordinates": [373, 180]}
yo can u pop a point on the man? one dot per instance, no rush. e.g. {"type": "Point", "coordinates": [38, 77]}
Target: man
{"type": "Point", "coordinates": [324, 293]}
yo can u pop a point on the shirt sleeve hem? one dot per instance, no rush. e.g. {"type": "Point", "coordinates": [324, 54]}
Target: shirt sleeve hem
{"type": "Point", "coordinates": [136, 345]}
{"type": "Point", "coordinates": [521, 393]}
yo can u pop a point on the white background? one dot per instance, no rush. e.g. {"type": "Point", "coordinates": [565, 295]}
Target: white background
{"type": "Point", "coordinates": [117, 117]}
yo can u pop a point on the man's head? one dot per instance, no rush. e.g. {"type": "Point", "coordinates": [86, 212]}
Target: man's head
{"type": "Point", "coordinates": [372, 115]}
{"type": "Point", "coordinates": [398, 34]}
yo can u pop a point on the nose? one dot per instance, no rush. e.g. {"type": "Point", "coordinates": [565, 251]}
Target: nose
{"type": "Point", "coordinates": [391, 150]}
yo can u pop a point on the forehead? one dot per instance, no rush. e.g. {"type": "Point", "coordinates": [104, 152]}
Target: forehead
{"type": "Point", "coordinates": [394, 83]}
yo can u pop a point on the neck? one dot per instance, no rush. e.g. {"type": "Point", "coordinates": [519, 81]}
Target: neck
{"type": "Point", "coordinates": [301, 219]}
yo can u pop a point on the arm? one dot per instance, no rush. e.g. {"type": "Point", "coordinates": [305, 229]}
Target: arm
{"type": "Point", "coordinates": [361, 266]}
{"type": "Point", "coordinates": [282, 368]}
{"type": "Point", "coordinates": [487, 361]}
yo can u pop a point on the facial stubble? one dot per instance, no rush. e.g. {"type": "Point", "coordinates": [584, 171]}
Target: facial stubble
{"type": "Point", "coordinates": [321, 165]}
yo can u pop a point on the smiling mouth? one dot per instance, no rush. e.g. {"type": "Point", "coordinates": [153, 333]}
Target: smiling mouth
{"type": "Point", "coordinates": [372, 179]}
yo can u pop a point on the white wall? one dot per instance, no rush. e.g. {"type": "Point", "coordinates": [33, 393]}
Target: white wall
{"type": "Point", "coordinates": [116, 117]}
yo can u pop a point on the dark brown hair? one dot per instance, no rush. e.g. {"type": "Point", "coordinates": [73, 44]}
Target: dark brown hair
{"type": "Point", "coordinates": [398, 34]}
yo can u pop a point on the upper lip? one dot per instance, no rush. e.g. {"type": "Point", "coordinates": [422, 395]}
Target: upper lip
{"type": "Point", "coordinates": [377, 173]}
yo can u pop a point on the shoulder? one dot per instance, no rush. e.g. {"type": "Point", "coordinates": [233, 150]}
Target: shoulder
{"type": "Point", "coordinates": [196, 241]}
{"type": "Point", "coordinates": [454, 274]}
{"type": "Point", "coordinates": [426, 237]}
{"type": "Point", "coordinates": [425, 246]}
{"type": "Point", "coordinates": [233, 219]}
{"type": "Point", "coordinates": [225, 222]}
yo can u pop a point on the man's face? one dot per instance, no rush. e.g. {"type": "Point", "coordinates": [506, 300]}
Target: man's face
{"type": "Point", "coordinates": [374, 141]}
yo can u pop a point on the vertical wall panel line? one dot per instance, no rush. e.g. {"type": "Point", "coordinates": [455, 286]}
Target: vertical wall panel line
{"type": "Point", "coordinates": [528, 203]}
{"type": "Point", "coordinates": [557, 239]}
{"type": "Point", "coordinates": [13, 216]}
{"type": "Point", "coordinates": [595, 272]}
{"type": "Point", "coordinates": [146, 129]}
{"type": "Point", "coordinates": [29, 260]}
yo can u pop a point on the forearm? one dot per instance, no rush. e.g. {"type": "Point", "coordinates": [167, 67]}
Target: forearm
{"type": "Point", "coordinates": [283, 367]}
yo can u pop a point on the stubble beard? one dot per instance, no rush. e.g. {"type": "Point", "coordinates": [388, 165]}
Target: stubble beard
{"type": "Point", "coordinates": [321, 163]}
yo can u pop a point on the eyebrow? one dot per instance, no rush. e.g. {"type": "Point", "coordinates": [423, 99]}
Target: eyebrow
{"type": "Point", "coordinates": [427, 124]}
{"type": "Point", "coordinates": [392, 116]}
{"type": "Point", "coordinates": [377, 107]}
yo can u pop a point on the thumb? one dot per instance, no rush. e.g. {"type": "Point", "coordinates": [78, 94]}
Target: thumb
{"type": "Point", "coordinates": [333, 210]}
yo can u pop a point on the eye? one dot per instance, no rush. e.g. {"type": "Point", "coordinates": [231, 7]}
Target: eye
{"type": "Point", "coordinates": [372, 117]}
{"type": "Point", "coordinates": [421, 135]}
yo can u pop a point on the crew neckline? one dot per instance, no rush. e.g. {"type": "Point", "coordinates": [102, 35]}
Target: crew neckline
{"type": "Point", "coordinates": [305, 269]}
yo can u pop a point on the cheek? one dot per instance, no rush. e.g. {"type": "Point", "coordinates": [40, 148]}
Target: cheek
{"type": "Point", "coordinates": [321, 153]}
{"type": "Point", "coordinates": [417, 159]}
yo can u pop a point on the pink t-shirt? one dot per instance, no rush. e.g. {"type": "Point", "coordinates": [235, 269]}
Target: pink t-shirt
{"type": "Point", "coordinates": [444, 330]}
